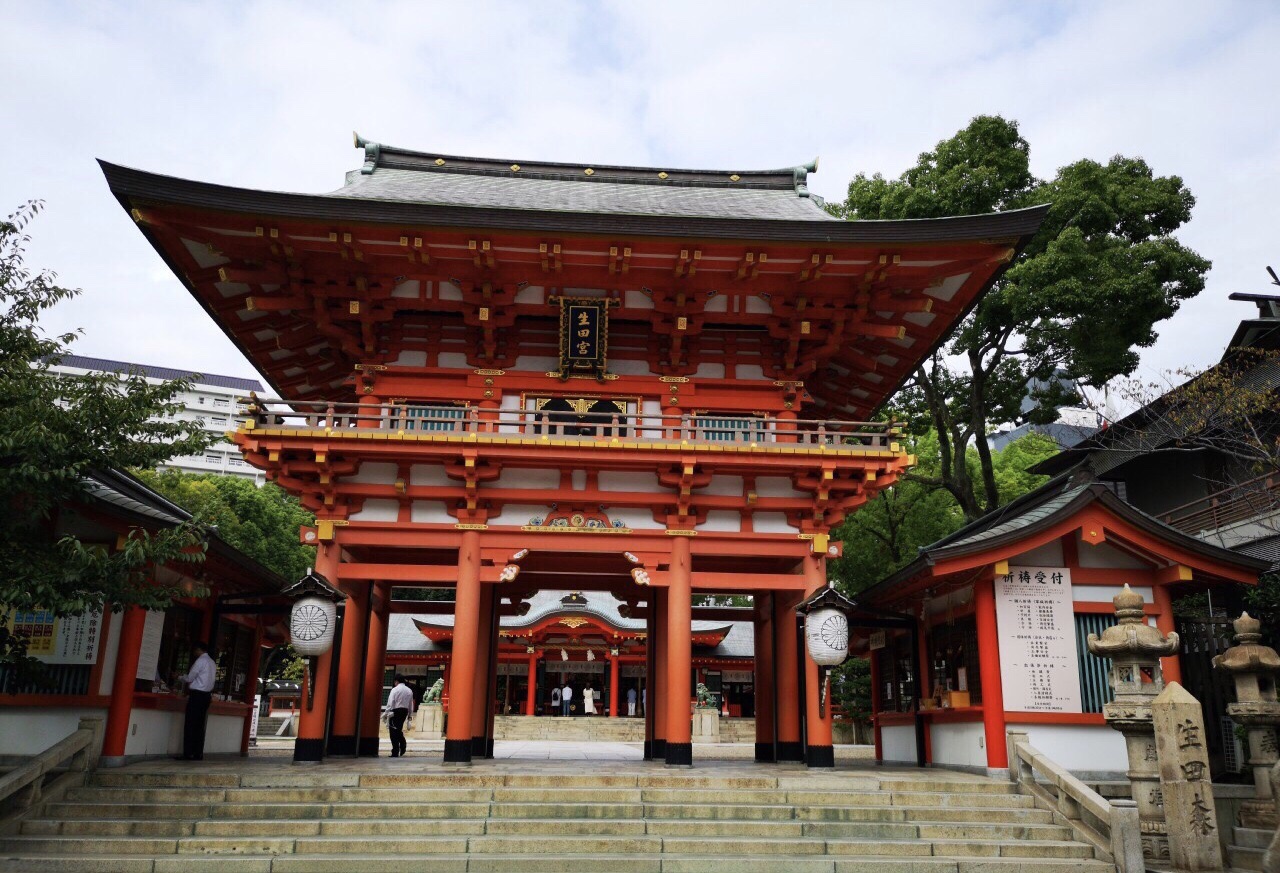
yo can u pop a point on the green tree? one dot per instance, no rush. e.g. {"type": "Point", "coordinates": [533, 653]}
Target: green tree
{"type": "Point", "coordinates": [1077, 302]}
{"type": "Point", "coordinates": [261, 522]}
{"type": "Point", "coordinates": [55, 431]}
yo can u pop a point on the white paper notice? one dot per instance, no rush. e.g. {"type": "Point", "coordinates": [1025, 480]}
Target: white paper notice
{"type": "Point", "coordinates": [149, 653]}
{"type": "Point", "coordinates": [1038, 666]}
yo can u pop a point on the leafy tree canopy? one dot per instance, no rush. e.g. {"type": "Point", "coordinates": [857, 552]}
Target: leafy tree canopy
{"type": "Point", "coordinates": [1075, 305]}
{"type": "Point", "coordinates": [261, 522]}
{"type": "Point", "coordinates": [54, 431]}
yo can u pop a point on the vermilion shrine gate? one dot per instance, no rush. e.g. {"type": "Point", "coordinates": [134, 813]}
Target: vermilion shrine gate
{"type": "Point", "coordinates": [503, 377]}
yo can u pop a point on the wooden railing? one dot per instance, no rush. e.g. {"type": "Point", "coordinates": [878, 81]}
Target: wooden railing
{"type": "Point", "coordinates": [65, 764]}
{"type": "Point", "coordinates": [712, 428]}
{"type": "Point", "coordinates": [1255, 497]}
{"type": "Point", "coordinates": [1111, 827]}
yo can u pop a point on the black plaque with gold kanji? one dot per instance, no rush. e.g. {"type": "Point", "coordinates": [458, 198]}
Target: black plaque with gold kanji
{"type": "Point", "coordinates": [584, 336]}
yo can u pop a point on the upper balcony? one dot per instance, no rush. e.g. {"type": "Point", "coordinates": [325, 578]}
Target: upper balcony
{"type": "Point", "coordinates": [1236, 514]}
{"type": "Point", "coordinates": [577, 427]}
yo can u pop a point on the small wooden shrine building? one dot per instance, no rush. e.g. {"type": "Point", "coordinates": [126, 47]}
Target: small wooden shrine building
{"type": "Point", "coordinates": [508, 376]}
{"type": "Point", "coordinates": [1002, 610]}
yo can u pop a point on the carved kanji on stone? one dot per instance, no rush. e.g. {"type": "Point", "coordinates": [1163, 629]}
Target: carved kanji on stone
{"type": "Point", "coordinates": [1188, 801]}
{"type": "Point", "coordinates": [1254, 669]}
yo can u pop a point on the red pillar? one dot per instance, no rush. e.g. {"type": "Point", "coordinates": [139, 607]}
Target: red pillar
{"type": "Point", "coordinates": [787, 667]}
{"type": "Point", "coordinates": [466, 638]}
{"type": "Point", "coordinates": [376, 647]}
{"type": "Point", "coordinates": [1171, 667]}
{"type": "Point", "coordinates": [993, 723]}
{"type": "Point", "coordinates": [531, 699]}
{"type": "Point", "coordinates": [820, 751]}
{"type": "Point", "coordinates": [313, 715]}
{"type": "Point", "coordinates": [481, 702]}
{"type": "Point", "coordinates": [679, 646]}
{"type": "Point", "coordinates": [251, 686]}
{"type": "Point", "coordinates": [347, 703]}
{"type": "Point", "coordinates": [763, 678]}
{"type": "Point", "coordinates": [121, 707]}
{"type": "Point", "coordinates": [613, 687]}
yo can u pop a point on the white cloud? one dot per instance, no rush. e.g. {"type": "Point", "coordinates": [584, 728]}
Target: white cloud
{"type": "Point", "coordinates": [266, 94]}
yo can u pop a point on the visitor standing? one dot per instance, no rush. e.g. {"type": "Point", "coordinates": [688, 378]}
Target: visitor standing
{"type": "Point", "coordinates": [400, 707]}
{"type": "Point", "coordinates": [631, 701]}
{"type": "Point", "coordinates": [199, 681]}
{"type": "Point", "coordinates": [588, 701]}
{"type": "Point", "coordinates": [566, 699]}
{"type": "Point", "coordinates": [555, 700]}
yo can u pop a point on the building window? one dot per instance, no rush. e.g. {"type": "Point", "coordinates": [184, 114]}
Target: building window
{"type": "Point", "coordinates": [213, 459]}
{"type": "Point", "coordinates": [728, 428]}
{"type": "Point", "coordinates": [219, 402]}
{"type": "Point", "coordinates": [218, 421]}
{"type": "Point", "coordinates": [1095, 685]}
{"type": "Point", "coordinates": [236, 462]}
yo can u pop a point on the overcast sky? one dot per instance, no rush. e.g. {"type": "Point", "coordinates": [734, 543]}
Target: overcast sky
{"type": "Point", "coordinates": [266, 95]}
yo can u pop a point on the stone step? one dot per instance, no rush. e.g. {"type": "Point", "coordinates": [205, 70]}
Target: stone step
{"type": "Point", "coordinates": [443, 863]}
{"type": "Point", "coordinates": [1245, 857]}
{"type": "Point", "coordinates": [1252, 838]}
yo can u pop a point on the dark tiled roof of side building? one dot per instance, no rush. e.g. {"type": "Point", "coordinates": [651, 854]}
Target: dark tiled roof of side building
{"type": "Point", "coordinates": [108, 366]}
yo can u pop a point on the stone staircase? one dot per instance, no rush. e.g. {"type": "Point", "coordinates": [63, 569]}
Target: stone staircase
{"type": "Point", "coordinates": [1247, 846]}
{"type": "Point", "coordinates": [595, 729]}
{"type": "Point", "coordinates": [255, 817]}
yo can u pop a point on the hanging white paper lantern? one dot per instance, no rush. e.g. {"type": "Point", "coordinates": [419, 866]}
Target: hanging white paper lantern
{"type": "Point", "coordinates": [827, 635]}
{"type": "Point", "coordinates": [312, 622]}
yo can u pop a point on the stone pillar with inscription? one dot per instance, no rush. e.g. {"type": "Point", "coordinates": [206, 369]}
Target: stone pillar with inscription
{"type": "Point", "coordinates": [1189, 809]}
{"type": "Point", "coordinates": [1135, 649]}
{"type": "Point", "coordinates": [1254, 667]}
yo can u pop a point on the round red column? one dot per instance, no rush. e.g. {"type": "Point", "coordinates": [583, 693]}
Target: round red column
{"type": "Point", "coordinates": [120, 709]}
{"type": "Point", "coordinates": [763, 678]}
{"type": "Point", "coordinates": [787, 705]}
{"type": "Point", "coordinates": [819, 750]}
{"type": "Point", "coordinates": [251, 686]}
{"type": "Point", "coordinates": [679, 646]}
{"type": "Point", "coordinates": [1171, 667]}
{"type": "Point", "coordinates": [993, 722]}
{"type": "Point", "coordinates": [466, 638]}
{"type": "Point", "coordinates": [481, 703]}
{"type": "Point", "coordinates": [309, 745]}
{"type": "Point", "coordinates": [613, 686]}
{"type": "Point", "coordinates": [346, 703]}
{"type": "Point", "coordinates": [531, 693]}
{"type": "Point", "coordinates": [374, 666]}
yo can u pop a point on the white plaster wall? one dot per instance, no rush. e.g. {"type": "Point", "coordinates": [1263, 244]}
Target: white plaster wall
{"type": "Point", "coordinates": [530, 294]}
{"type": "Point", "coordinates": [453, 360]}
{"type": "Point", "coordinates": [1104, 593]}
{"type": "Point", "coordinates": [1107, 555]}
{"type": "Point", "coordinates": [410, 288]}
{"type": "Point", "coordinates": [722, 520]}
{"type": "Point", "coordinates": [749, 371]}
{"type": "Point", "coordinates": [949, 287]}
{"type": "Point", "coordinates": [378, 510]}
{"type": "Point", "coordinates": [429, 475]}
{"type": "Point", "coordinates": [1048, 555]}
{"type": "Point", "coordinates": [637, 300]}
{"type": "Point", "coordinates": [154, 732]}
{"type": "Point", "coordinates": [448, 291]}
{"type": "Point", "coordinates": [29, 730]}
{"type": "Point", "coordinates": [644, 483]}
{"type": "Point", "coordinates": [719, 303]}
{"type": "Point", "coordinates": [1079, 748]}
{"type": "Point", "coordinates": [898, 743]}
{"type": "Point", "coordinates": [958, 745]}
{"type": "Point", "coordinates": [756, 303]}
{"type": "Point", "coordinates": [374, 473]}
{"type": "Point", "coordinates": [771, 522]}
{"type": "Point", "coordinates": [222, 737]}
{"type": "Point", "coordinates": [710, 371]}
{"type": "Point", "coordinates": [776, 486]}
{"type": "Point", "coordinates": [724, 486]}
{"type": "Point", "coordinates": [110, 649]}
{"type": "Point", "coordinates": [536, 363]}
{"type": "Point", "coordinates": [629, 367]}
{"type": "Point", "coordinates": [430, 511]}
{"type": "Point", "coordinates": [411, 358]}
{"type": "Point", "coordinates": [636, 519]}
{"type": "Point", "coordinates": [510, 403]}
{"type": "Point", "coordinates": [519, 514]}
{"type": "Point", "coordinates": [539, 480]}
{"type": "Point", "coordinates": [579, 478]}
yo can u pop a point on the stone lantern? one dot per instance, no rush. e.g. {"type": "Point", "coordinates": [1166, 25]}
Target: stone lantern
{"type": "Point", "coordinates": [1135, 649]}
{"type": "Point", "coordinates": [1254, 667]}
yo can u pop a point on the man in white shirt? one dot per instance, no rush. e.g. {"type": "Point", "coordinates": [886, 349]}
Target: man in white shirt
{"type": "Point", "coordinates": [566, 697]}
{"type": "Point", "coordinates": [400, 707]}
{"type": "Point", "coordinates": [199, 681]}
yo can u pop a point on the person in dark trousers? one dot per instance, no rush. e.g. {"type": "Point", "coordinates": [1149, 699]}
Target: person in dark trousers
{"type": "Point", "coordinates": [199, 681]}
{"type": "Point", "coordinates": [400, 707]}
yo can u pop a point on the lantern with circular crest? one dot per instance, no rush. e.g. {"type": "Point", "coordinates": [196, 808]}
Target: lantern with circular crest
{"type": "Point", "coordinates": [826, 634]}
{"type": "Point", "coordinates": [313, 620]}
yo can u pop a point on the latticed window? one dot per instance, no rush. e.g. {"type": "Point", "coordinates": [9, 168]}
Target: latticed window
{"type": "Point", "coordinates": [1095, 686]}
{"type": "Point", "coordinates": [433, 418]}
{"type": "Point", "coordinates": [729, 428]}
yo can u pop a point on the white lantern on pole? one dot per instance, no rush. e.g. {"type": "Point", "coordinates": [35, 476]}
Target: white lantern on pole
{"type": "Point", "coordinates": [826, 632]}
{"type": "Point", "coordinates": [312, 622]}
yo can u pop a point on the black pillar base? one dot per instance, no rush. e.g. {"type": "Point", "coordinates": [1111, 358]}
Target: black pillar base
{"type": "Point", "coordinates": [659, 750]}
{"type": "Point", "coordinates": [457, 751]}
{"type": "Point", "coordinates": [820, 756]}
{"type": "Point", "coordinates": [478, 747]}
{"type": "Point", "coordinates": [648, 750]}
{"type": "Point", "coordinates": [488, 748]}
{"type": "Point", "coordinates": [679, 754]}
{"type": "Point", "coordinates": [790, 753]}
{"type": "Point", "coordinates": [368, 747]}
{"type": "Point", "coordinates": [310, 751]}
{"type": "Point", "coordinates": [342, 746]}
{"type": "Point", "coordinates": [764, 753]}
